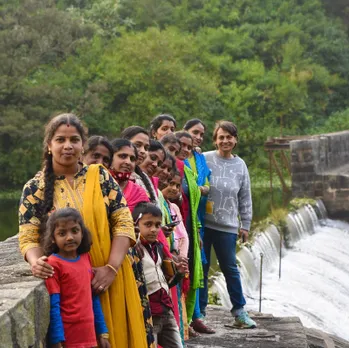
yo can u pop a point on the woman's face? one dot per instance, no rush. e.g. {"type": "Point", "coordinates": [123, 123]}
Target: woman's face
{"type": "Point", "coordinates": [173, 148]}
{"type": "Point", "coordinates": [173, 189]}
{"type": "Point", "coordinates": [186, 148]}
{"type": "Point", "coordinates": [124, 160]}
{"type": "Point", "coordinates": [197, 132]}
{"type": "Point", "coordinates": [164, 172]}
{"type": "Point", "coordinates": [153, 161]}
{"type": "Point", "coordinates": [141, 141]}
{"type": "Point", "coordinates": [225, 142]}
{"type": "Point", "coordinates": [100, 155]}
{"type": "Point", "coordinates": [66, 147]}
{"type": "Point", "coordinates": [165, 128]}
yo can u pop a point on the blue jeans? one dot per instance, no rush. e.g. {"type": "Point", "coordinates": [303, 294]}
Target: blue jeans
{"type": "Point", "coordinates": [224, 245]}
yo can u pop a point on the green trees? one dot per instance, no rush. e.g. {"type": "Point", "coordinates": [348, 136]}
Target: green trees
{"type": "Point", "coordinates": [272, 66]}
{"type": "Point", "coordinates": [33, 34]}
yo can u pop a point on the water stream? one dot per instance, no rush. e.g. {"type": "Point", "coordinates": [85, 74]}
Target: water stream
{"type": "Point", "coordinates": [314, 282]}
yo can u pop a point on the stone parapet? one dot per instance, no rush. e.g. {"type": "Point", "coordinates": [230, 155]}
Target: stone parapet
{"type": "Point", "coordinates": [320, 169]}
{"type": "Point", "coordinates": [24, 301]}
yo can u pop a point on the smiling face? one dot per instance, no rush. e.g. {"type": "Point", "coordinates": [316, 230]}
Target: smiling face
{"type": "Point", "coordinates": [141, 141]}
{"type": "Point", "coordinates": [197, 132]}
{"type": "Point", "coordinates": [172, 191]}
{"type": "Point", "coordinates": [124, 160]}
{"type": "Point", "coordinates": [153, 161]}
{"type": "Point", "coordinates": [149, 227]}
{"type": "Point", "coordinates": [165, 128]}
{"type": "Point", "coordinates": [66, 146]}
{"type": "Point", "coordinates": [186, 148]}
{"type": "Point", "coordinates": [225, 142]}
{"type": "Point", "coordinates": [67, 236]}
{"type": "Point", "coordinates": [100, 155]}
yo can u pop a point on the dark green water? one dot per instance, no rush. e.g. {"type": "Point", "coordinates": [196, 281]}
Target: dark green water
{"type": "Point", "coordinates": [261, 209]}
{"type": "Point", "coordinates": [8, 218]}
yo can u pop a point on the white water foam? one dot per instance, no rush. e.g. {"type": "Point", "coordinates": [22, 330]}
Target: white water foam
{"type": "Point", "coordinates": [315, 275]}
{"type": "Point", "coordinates": [315, 282]}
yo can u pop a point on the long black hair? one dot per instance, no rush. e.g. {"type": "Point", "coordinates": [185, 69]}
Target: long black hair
{"type": "Point", "coordinates": [49, 176]}
{"type": "Point", "coordinates": [65, 214]}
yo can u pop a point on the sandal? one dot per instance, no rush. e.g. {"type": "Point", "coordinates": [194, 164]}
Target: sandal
{"type": "Point", "coordinates": [193, 333]}
{"type": "Point", "coordinates": [199, 326]}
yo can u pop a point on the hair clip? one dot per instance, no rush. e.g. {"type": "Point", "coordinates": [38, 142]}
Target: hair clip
{"type": "Point", "coordinates": [137, 220]}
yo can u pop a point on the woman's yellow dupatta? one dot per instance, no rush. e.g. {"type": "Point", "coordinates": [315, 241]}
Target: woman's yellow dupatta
{"type": "Point", "coordinates": [120, 303]}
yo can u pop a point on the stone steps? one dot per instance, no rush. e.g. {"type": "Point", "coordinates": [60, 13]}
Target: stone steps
{"type": "Point", "coordinates": [320, 339]}
{"type": "Point", "coordinates": [272, 332]}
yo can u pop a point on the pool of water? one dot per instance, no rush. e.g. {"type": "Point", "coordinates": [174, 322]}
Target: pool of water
{"type": "Point", "coordinates": [8, 218]}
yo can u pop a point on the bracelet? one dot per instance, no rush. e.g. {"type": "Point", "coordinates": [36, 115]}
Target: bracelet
{"type": "Point", "coordinates": [104, 335]}
{"type": "Point", "coordinates": [113, 268]}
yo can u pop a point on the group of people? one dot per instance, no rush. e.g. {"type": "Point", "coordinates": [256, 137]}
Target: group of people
{"type": "Point", "coordinates": [122, 231]}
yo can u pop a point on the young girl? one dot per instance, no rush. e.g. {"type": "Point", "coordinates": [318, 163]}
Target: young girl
{"type": "Point", "coordinates": [180, 246]}
{"type": "Point", "coordinates": [76, 316]}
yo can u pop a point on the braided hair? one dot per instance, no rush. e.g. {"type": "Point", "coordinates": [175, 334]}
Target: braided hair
{"type": "Point", "coordinates": [49, 175]}
{"type": "Point", "coordinates": [147, 184]}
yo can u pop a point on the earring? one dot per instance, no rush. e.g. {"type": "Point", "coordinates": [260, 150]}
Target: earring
{"type": "Point", "coordinates": [49, 151]}
{"type": "Point", "coordinates": [82, 152]}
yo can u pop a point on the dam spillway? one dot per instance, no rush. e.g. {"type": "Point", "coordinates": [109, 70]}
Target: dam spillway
{"type": "Point", "coordinates": [314, 282]}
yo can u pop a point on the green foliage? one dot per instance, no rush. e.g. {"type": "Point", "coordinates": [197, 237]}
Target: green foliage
{"type": "Point", "coordinates": [33, 34]}
{"type": "Point", "coordinates": [297, 203]}
{"type": "Point", "coordinates": [338, 121]}
{"type": "Point", "coordinates": [271, 66]}
{"type": "Point", "coordinates": [213, 298]}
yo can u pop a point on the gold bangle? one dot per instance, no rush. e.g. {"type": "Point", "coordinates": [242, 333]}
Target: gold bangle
{"type": "Point", "coordinates": [113, 268]}
{"type": "Point", "coordinates": [104, 335]}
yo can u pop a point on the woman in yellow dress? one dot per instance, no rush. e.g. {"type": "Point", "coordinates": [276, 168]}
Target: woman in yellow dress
{"type": "Point", "coordinates": [65, 182]}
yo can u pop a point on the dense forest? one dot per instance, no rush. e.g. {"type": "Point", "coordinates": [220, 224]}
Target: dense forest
{"type": "Point", "coordinates": [274, 67]}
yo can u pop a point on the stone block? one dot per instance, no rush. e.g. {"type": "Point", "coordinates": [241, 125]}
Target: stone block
{"type": "Point", "coordinates": [24, 301]}
{"type": "Point", "coordinates": [5, 330]}
{"type": "Point", "coordinates": [308, 156]}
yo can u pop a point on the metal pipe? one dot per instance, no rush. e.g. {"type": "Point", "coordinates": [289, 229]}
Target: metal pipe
{"type": "Point", "coordinates": [260, 283]}
{"type": "Point", "coordinates": [271, 182]}
{"type": "Point", "coordinates": [280, 256]}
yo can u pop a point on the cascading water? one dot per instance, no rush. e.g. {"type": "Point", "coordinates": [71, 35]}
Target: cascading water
{"type": "Point", "coordinates": [315, 272]}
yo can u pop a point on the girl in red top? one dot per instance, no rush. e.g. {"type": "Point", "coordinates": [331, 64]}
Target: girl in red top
{"type": "Point", "coordinates": [76, 317]}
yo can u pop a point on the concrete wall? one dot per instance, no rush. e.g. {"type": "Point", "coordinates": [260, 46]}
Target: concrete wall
{"type": "Point", "coordinates": [320, 169]}
{"type": "Point", "coordinates": [24, 302]}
